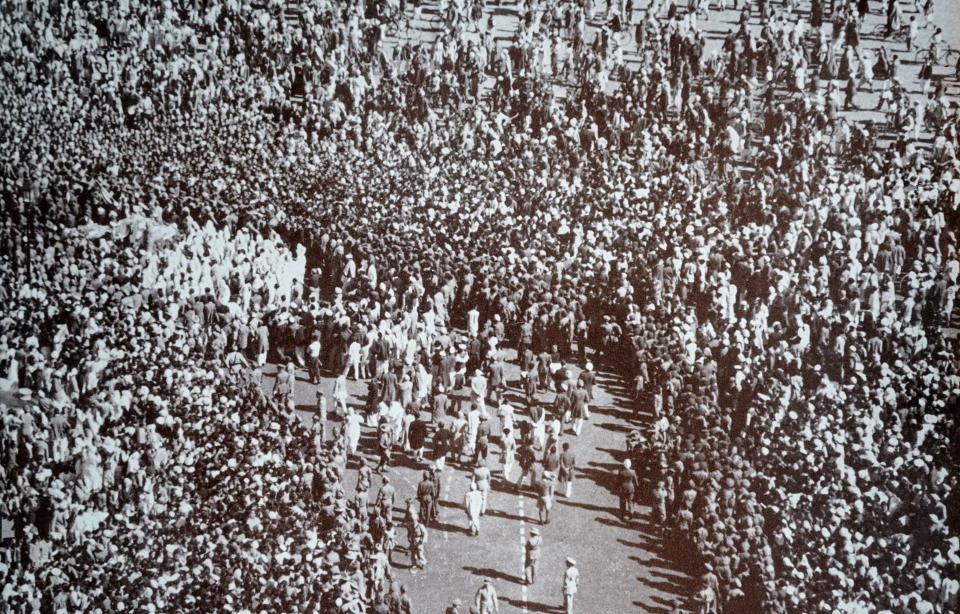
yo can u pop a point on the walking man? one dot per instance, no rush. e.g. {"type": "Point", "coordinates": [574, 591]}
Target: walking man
{"type": "Point", "coordinates": [580, 398]}
{"type": "Point", "coordinates": [544, 497]}
{"type": "Point", "coordinates": [419, 545]}
{"type": "Point", "coordinates": [531, 556]}
{"type": "Point", "coordinates": [487, 600]}
{"type": "Point", "coordinates": [527, 458]}
{"type": "Point", "coordinates": [473, 504]}
{"type": "Point", "coordinates": [481, 475]}
{"type": "Point", "coordinates": [426, 497]}
{"type": "Point", "coordinates": [571, 582]}
{"type": "Point", "coordinates": [568, 463]}
{"type": "Point", "coordinates": [626, 488]}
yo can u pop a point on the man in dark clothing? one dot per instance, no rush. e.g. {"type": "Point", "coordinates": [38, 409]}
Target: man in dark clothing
{"type": "Point", "coordinates": [496, 382]}
{"type": "Point", "coordinates": [544, 501]}
{"type": "Point", "coordinates": [387, 495]}
{"type": "Point", "coordinates": [385, 445]}
{"type": "Point", "coordinates": [483, 440]}
{"type": "Point", "coordinates": [551, 466]}
{"type": "Point", "coordinates": [435, 476]}
{"type": "Point", "coordinates": [626, 489]}
{"type": "Point", "coordinates": [568, 463]}
{"type": "Point", "coordinates": [589, 377]}
{"type": "Point", "coordinates": [417, 437]}
{"type": "Point", "coordinates": [426, 497]}
{"type": "Point", "coordinates": [526, 458]}
{"type": "Point", "coordinates": [442, 443]}
{"type": "Point", "coordinates": [388, 391]}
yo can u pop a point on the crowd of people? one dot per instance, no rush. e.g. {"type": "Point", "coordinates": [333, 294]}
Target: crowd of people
{"type": "Point", "coordinates": [771, 275]}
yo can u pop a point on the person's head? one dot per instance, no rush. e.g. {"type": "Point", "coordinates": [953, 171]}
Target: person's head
{"type": "Point", "coordinates": [627, 464]}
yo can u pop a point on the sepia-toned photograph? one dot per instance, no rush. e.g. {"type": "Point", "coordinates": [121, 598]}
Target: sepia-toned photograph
{"type": "Point", "coordinates": [479, 306]}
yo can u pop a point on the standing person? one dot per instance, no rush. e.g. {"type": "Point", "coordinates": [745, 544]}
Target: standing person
{"type": "Point", "coordinates": [385, 446]}
{"type": "Point", "coordinates": [505, 413]}
{"type": "Point", "coordinates": [283, 386]}
{"type": "Point", "coordinates": [441, 404]}
{"type": "Point", "coordinates": [486, 601]}
{"type": "Point", "coordinates": [426, 497]}
{"type": "Point", "coordinates": [417, 437]}
{"type": "Point", "coordinates": [473, 504]}
{"type": "Point", "coordinates": [353, 359]}
{"type": "Point", "coordinates": [478, 390]}
{"type": "Point", "coordinates": [340, 394]}
{"type": "Point", "coordinates": [660, 495]}
{"type": "Point", "coordinates": [571, 583]}
{"type": "Point", "coordinates": [418, 547]}
{"type": "Point", "coordinates": [481, 475]}
{"type": "Point", "coordinates": [706, 599]}
{"type": "Point", "coordinates": [531, 556]}
{"type": "Point", "coordinates": [531, 384]}
{"type": "Point", "coordinates": [482, 447]}
{"type": "Point", "coordinates": [435, 476]}
{"type": "Point", "coordinates": [387, 495]}
{"type": "Point", "coordinates": [351, 429]}
{"type": "Point", "coordinates": [579, 406]}
{"type": "Point", "coordinates": [551, 467]}
{"type": "Point", "coordinates": [544, 500]}
{"type": "Point", "coordinates": [568, 463]}
{"type": "Point", "coordinates": [626, 489]}
{"type": "Point", "coordinates": [588, 377]}
{"type": "Point", "coordinates": [527, 457]}
{"type": "Point", "coordinates": [313, 359]}
{"type": "Point", "coordinates": [442, 444]}
{"type": "Point", "coordinates": [508, 450]}
{"type": "Point", "coordinates": [320, 419]}
{"type": "Point", "coordinates": [473, 322]}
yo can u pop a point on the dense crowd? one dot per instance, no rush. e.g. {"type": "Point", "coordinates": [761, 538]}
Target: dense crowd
{"type": "Point", "coordinates": [772, 278]}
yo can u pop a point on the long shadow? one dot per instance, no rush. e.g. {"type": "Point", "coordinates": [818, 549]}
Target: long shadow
{"type": "Point", "coordinates": [503, 486]}
{"type": "Point", "coordinates": [666, 587]}
{"type": "Point", "coordinates": [613, 412]}
{"type": "Point", "coordinates": [651, 562]}
{"type": "Point", "coordinates": [673, 578]}
{"type": "Point", "coordinates": [587, 506]}
{"type": "Point", "coordinates": [604, 479]}
{"type": "Point", "coordinates": [402, 459]}
{"type": "Point", "coordinates": [667, 602]}
{"type": "Point", "coordinates": [653, 609]}
{"type": "Point", "coordinates": [494, 574]}
{"type": "Point", "coordinates": [612, 426]}
{"type": "Point", "coordinates": [640, 545]}
{"type": "Point", "coordinates": [499, 514]}
{"type": "Point", "coordinates": [446, 527]}
{"type": "Point", "coordinates": [612, 468]}
{"type": "Point", "coordinates": [532, 606]}
{"type": "Point", "coordinates": [618, 455]}
{"type": "Point", "coordinates": [629, 525]}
